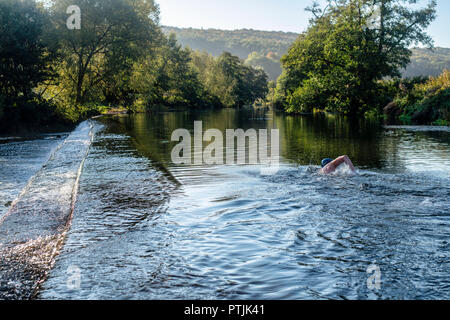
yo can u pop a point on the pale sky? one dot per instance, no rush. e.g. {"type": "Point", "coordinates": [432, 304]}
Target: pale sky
{"type": "Point", "coordinates": [278, 15]}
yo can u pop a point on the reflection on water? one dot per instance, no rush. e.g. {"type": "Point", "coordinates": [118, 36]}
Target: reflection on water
{"type": "Point", "coordinates": [144, 228]}
{"type": "Point", "coordinates": [304, 140]}
{"type": "Point", "coordinates": [419, 149]}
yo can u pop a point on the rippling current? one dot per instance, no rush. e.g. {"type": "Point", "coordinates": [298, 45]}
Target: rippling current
{"type": "Point", "coordinates": [143, 228]}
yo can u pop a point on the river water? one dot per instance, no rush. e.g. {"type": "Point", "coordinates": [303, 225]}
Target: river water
{"type": "Point", "coordinates": [145, 228]}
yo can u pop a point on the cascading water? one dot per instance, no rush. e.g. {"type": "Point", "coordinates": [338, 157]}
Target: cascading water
{"type": "Point", "coordinates": [33, 229]}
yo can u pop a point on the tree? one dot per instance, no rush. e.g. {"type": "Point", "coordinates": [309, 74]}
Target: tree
{"type": "Point", "coordinates": [349, 46]}
{"type": "Point", "coordinates": [25, 60]}
{"type": "Point", "coordinates": [113, 34]}
{"type": "Point", "coordinates": [166, 77]}
{"type": "Point", "coordinates": [245, 84]}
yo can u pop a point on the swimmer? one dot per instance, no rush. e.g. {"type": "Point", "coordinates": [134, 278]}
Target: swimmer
{"type": "Point", "coordinates": [330, 165]}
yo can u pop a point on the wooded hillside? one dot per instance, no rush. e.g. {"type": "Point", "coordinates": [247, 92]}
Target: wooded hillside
{"type": "Point", "coordinates": [265, 48]}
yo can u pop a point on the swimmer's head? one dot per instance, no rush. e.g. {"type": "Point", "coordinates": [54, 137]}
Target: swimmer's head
{"type": "Point", "coordinates": [326, 161]}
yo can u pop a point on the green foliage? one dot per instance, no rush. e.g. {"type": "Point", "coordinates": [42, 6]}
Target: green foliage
{"type": "Point", "coordinates": [26, 61]}
{"type": "Point", "coordinates": [97, 58]}
{"type": "Point", "coordinates": [244, 84]}
{"type": "Point", "coordinates": [425, 102]}
{"type": "Point", "coordinates": [24, 114]}
{"type": "Point", "coordinates": [166, 77]}
{"type": "Point", "coordinates": [24, 56]}
{"type": "Point", "coordinates": [336, 65]}
{"type": "Point", "coordinates": [261, 49]}
{"type": "Point", "coordinates": [217, 91]}
{"type": "Point", "coordinates": [441, 122]}
{"type": "Point", "coordinates": [181, 77]}
{"type": "Point", "coordinates": [264, 49]}
{"type": "Point", "coordinates": [119, 57]}
{"type": "Point", "coordinates": [400, 90]}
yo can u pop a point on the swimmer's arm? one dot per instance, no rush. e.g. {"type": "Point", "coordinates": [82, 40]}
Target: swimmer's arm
{"type": "Point", "coordinates": [349, 163]}
{"type": "Point", "coordinates": [332, 166]}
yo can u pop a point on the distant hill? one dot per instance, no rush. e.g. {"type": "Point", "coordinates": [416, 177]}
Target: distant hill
{"type": "Point", "coordinates": [425, 62]}
{"type": "Point", "coordinates": [238, 42]}
{"type": "Point", "coordinates": [265, 48]}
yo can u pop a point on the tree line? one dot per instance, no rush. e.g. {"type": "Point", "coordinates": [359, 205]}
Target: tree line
{"type": "Point", "coordinates": [352, 48]}
{"type": "Point", "coordinates": [265, 48]}
{"type": "Point", "coordinates": [50, 73]}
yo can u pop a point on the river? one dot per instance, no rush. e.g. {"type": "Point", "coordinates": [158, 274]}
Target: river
{"type": "Point", "coordinates": [143, 227]}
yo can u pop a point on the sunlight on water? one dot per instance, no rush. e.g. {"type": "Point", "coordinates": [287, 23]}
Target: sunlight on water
{"type": "Point", "coordinates": [146, 229]}
{"type": "Point", "coordinates": [428, 155]}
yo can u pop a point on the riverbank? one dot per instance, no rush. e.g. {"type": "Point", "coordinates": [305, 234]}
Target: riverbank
{"type": "Point", "coordinates": [419, 101]}
{"type": "Point", "coordinates": [26, 118]}
{"type": "Point", "coordinates": [30, 118]}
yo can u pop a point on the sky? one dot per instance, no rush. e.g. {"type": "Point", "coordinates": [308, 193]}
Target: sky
{"type": "Point", "coordinates": [271, 15]}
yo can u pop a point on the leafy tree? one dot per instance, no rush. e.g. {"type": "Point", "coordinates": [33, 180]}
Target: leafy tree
{"type": "Point", "coordinates": [177, 76]}
{"type": "Point", "coordinates": [113, 34]}
{"type": "Point", "coordinates": [119, 57]}
{"type": "Point", "coordinates": [424, 101]}
{"type": "Point", "coordinates": [216, 90]}
{"type": "Point", "coordinates": [259, 48]}
{"type": "Point", "coordinates": [246, 84]}
{"type": "Point", "coordinates": [27, 60]}
{"type": "Point", "coordinates": [349, 46]}
{"type": "Point", "coordinates": [24, 55]}
{"type": "Point", "coordinates": [264, 49]}
{"type": "Point", "coordinates": [166, 76]}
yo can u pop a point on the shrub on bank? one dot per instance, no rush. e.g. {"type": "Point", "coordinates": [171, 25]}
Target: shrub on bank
{"type": "Point", "coordinates": [425, 102]}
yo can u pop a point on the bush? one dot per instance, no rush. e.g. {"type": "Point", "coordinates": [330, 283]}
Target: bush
{"type": "Point", "coordinates": [425, 102]}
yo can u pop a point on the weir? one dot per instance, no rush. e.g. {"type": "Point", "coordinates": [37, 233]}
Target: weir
{"type": "Point", "coordinates": [33, 230]}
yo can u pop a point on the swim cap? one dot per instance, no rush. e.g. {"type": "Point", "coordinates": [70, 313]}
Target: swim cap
{"type": "Point", "coordinates": [326, 161]}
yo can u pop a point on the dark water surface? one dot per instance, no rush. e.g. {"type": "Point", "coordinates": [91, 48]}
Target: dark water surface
{"type": "Point", "coordinates": [144, 228]}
